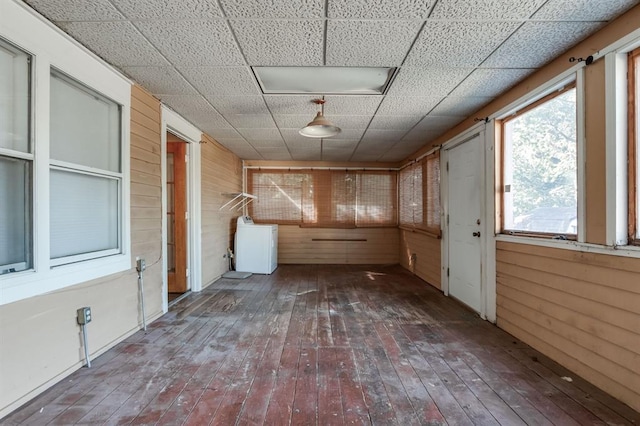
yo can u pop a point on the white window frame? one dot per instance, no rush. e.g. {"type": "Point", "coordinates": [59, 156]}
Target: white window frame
{"type": "Point", "coordinates": [51, 48]}
{"type": "Point", "coordinates": [616, 86]}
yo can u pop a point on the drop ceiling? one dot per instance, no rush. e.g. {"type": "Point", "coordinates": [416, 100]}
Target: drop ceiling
{"type": "Point", "coordinates": [452, 57]}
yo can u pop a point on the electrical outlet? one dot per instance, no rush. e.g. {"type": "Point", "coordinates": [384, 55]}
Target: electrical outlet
{"type": "Point", "coordinates": [84, 315]}
{"type": "Point", "coordinates": [140, 265]}
{"type": "Point", "coordinates": [414, 257]}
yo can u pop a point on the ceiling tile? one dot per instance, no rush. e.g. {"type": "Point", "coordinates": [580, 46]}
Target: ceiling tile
{"type": "Point", "coordinates": [365, 156]}
{"type": "Point", "coordinates": [460, 106]}
{"type": "Point", "coordinates": [270, 9]}
{"type": "Point", "coordinates": [336, 154]}
{"type": "Point", "coordinates": [292, 121]}
{"type": "Point", "coordinates": [221, 133]}
{"type": "Point", "coordinates": [351, 134]}
{"type": "Point", "coordinates": [168, 9]}
{"type": "Point", "coordinates": [258, 134]}
{"type": "Point", "coordinates": [380, 9]}
{"type": "Point", "coordinates": [458, 44]}
{"type": "Point", "coordinates": [536, 43]}
{"type": "Point", "coordinates": [281, 42]}
{"type": "Point", "coordinates": [431, 127]}
{"type": "Point", "coordinates": [193, 43]}
{"type": "Point", "coordinates": [369, 43]}
{"type": "Point", "coordinates": [232, 143]}
{"type": "Point", "coordinates": [339, 144]}
{"type": "Point", "coordinates": [292, 105]}
{"type": "Point", "coordinates": [222, 81]}
{"type": "Point", "coordinates": [197, 109]}
{"type": "Point", "coordinates": [485, 9]}
{"type": "Point", "coordinates": [298, 144]}
{"type": "Point", "coordinates": [309, 154]}
{"type": "Point", "coordinates": [291, 136]}
{"type": "Point", "coordinates": [583, 10]}
{"type": "Point", "coordinates": [386, 136]}
{"type": "Point", "coordinates": [276, 155]}
{"type": "Point", "coordinates": [241, 148]}
{"type": "Point", "coordinates": [107, 38]}
{"type": "Point", "coordinates": [76, 10]}
{"type": "Point", "coordinates": [161, 80]}
{"type": "Point", "coordinates": [267, 143]}
{"type": "Point", "coordinates": [351, 105]}
{"type": "Point", "coordinates": [251, 121]}
{"type": "Point", "coordinates": [490, 82]}
{"type": "Point", "coordinates": [408, 105]}
{"type": "Point", "coordinates": [428, 82]}
{"type": "Point", "coordinates": [238, 104]}
{"type": "Point", "coordinates": [394, 122]}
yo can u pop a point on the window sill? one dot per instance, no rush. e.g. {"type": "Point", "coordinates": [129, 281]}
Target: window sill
{"type": "Point", "coordinates": [624, 251]}
{"type": "Point", "coordinates": [22, 285]}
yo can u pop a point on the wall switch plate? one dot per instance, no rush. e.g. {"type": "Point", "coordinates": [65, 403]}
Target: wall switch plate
{"type": "Point", "coordinates": [84, 315]}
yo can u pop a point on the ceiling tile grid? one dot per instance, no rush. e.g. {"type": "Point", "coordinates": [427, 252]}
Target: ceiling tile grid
{"type": "Point", "coordinates": [369, 43]}
{"type": "Point", "coordinates": [106, 40]}
{"type": "Point", "coordinates": [168, 9]}
{"type": "Point", "coordinates": [77, 10]}
{"type": "Point", "coordinates": [452, 57]}
{"type": "Point", "coordinates": [193, 43]}
{"type": "Point", "coordinates": [483, 10]}
{"type": "Point", "coordinates": [281, 42]}
{"type": "Point", "coordinates": [458, 44]}
{"type": "Point", "coordinates": [536, 43]}
{"type": "Point", "coordinates": [270, 9]}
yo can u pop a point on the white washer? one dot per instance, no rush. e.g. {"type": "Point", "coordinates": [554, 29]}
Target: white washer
{"type": "Point", "coordinates": [256, 247]}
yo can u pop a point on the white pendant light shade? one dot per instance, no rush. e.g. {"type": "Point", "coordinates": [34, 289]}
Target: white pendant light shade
{"type": "Point", "coordinates": [320, 127]}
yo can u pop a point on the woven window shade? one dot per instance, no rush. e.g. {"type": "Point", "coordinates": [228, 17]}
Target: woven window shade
{"type": "Point", "coordinates": [324, 198]}
{"type": "Point", "coordinates": [376, 199]}
{"type": "Point", "coordinates": [432, 189]}
{"type": "Point", "coordinates": [411, 196]}
{"type": "Point", "coordinates": [419, 197]}
{"type": "Point", "coordinates": [282, 197]}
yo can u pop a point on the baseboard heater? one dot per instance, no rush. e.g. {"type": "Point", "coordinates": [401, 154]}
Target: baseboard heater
{"type": "Point", "coordinates": [338, 239]}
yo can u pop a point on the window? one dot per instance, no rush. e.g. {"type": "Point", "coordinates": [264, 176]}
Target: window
{"type": "Point", "coordinates": [420, 195]}
{"type": "Point", "coordinates": [634, 145]}
{"type": "Point", "coordinates": [324, 198]}
{"type": "Point", "coordinates": [86, 178]}
{"type": "Point", "coordinates": [16, 160]}
{"type": "Point", "coordinates": [64, 161]}
{"type": "Point", "coordinates": [540, 167]}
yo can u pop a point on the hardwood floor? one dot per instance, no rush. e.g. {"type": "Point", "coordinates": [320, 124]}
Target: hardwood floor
{"type": "Point", "coordinates": [326, 345]}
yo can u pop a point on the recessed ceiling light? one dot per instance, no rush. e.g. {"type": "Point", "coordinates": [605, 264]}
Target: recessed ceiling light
{"type": "Point", "coordinates": [324, 80]}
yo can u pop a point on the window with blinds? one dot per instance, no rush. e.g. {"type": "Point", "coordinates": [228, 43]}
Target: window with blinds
{"type": "Point", "coordinates": [324, 198]}
{"type": "Point", "coordinates": [419, 197]}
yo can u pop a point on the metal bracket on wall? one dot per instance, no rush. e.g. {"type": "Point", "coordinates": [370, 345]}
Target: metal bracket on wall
{"type": "Point", "coordinates": [245, 199]}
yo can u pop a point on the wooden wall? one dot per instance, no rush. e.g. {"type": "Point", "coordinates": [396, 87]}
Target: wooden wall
{"type": "Point", "coordinates": [42, 330]}
{"type": "Point", "coordinates": [580, 309]}
{"type": "Point", "coordinates": [427, 250]}
{"type": "Point", "coordinates": [296, 245]}
{"type": "Point", "coordinates": [221, 173]}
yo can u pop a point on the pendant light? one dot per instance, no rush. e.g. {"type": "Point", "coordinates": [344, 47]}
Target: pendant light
{"type": "Point", "coordinates": [319, 127]}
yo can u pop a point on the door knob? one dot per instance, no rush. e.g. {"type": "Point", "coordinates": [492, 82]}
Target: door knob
{"type": "Point", "coordinates": [476, 234]}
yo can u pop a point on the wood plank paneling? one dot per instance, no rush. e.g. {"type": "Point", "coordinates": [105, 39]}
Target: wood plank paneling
{"type": "Point", "coordinates": [221, 173]}
{"type": "Point", "coordinates": [580, 309]}
{"type": "Point", "coordinates": [48, 321]}
{"type": "Point", "coordinates": [428, 258]}
{"type": "Point", "coordinates": [296, 245]}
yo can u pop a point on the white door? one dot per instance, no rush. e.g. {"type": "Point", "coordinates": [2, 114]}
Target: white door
{"type": "Point", "coordinates": [464, 200]}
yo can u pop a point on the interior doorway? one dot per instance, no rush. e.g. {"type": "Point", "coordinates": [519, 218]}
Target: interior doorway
{"type": "Point", "coordinates": [177, 218]}
{"type": "Point", "coordinates": [465, 217]}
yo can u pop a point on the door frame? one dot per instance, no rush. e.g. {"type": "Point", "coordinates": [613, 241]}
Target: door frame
{"type": "Point", "coordinates": [173, 123]}
{"type": "Point", "coordinates": [486, 133]}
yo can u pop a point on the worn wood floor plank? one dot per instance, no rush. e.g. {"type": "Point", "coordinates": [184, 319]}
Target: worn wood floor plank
{"type": "Point", "coordinates": [322, 345]}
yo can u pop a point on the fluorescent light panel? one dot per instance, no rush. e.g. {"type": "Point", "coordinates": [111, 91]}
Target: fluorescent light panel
{"type": "Point", "coordinates": [324, 80]}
